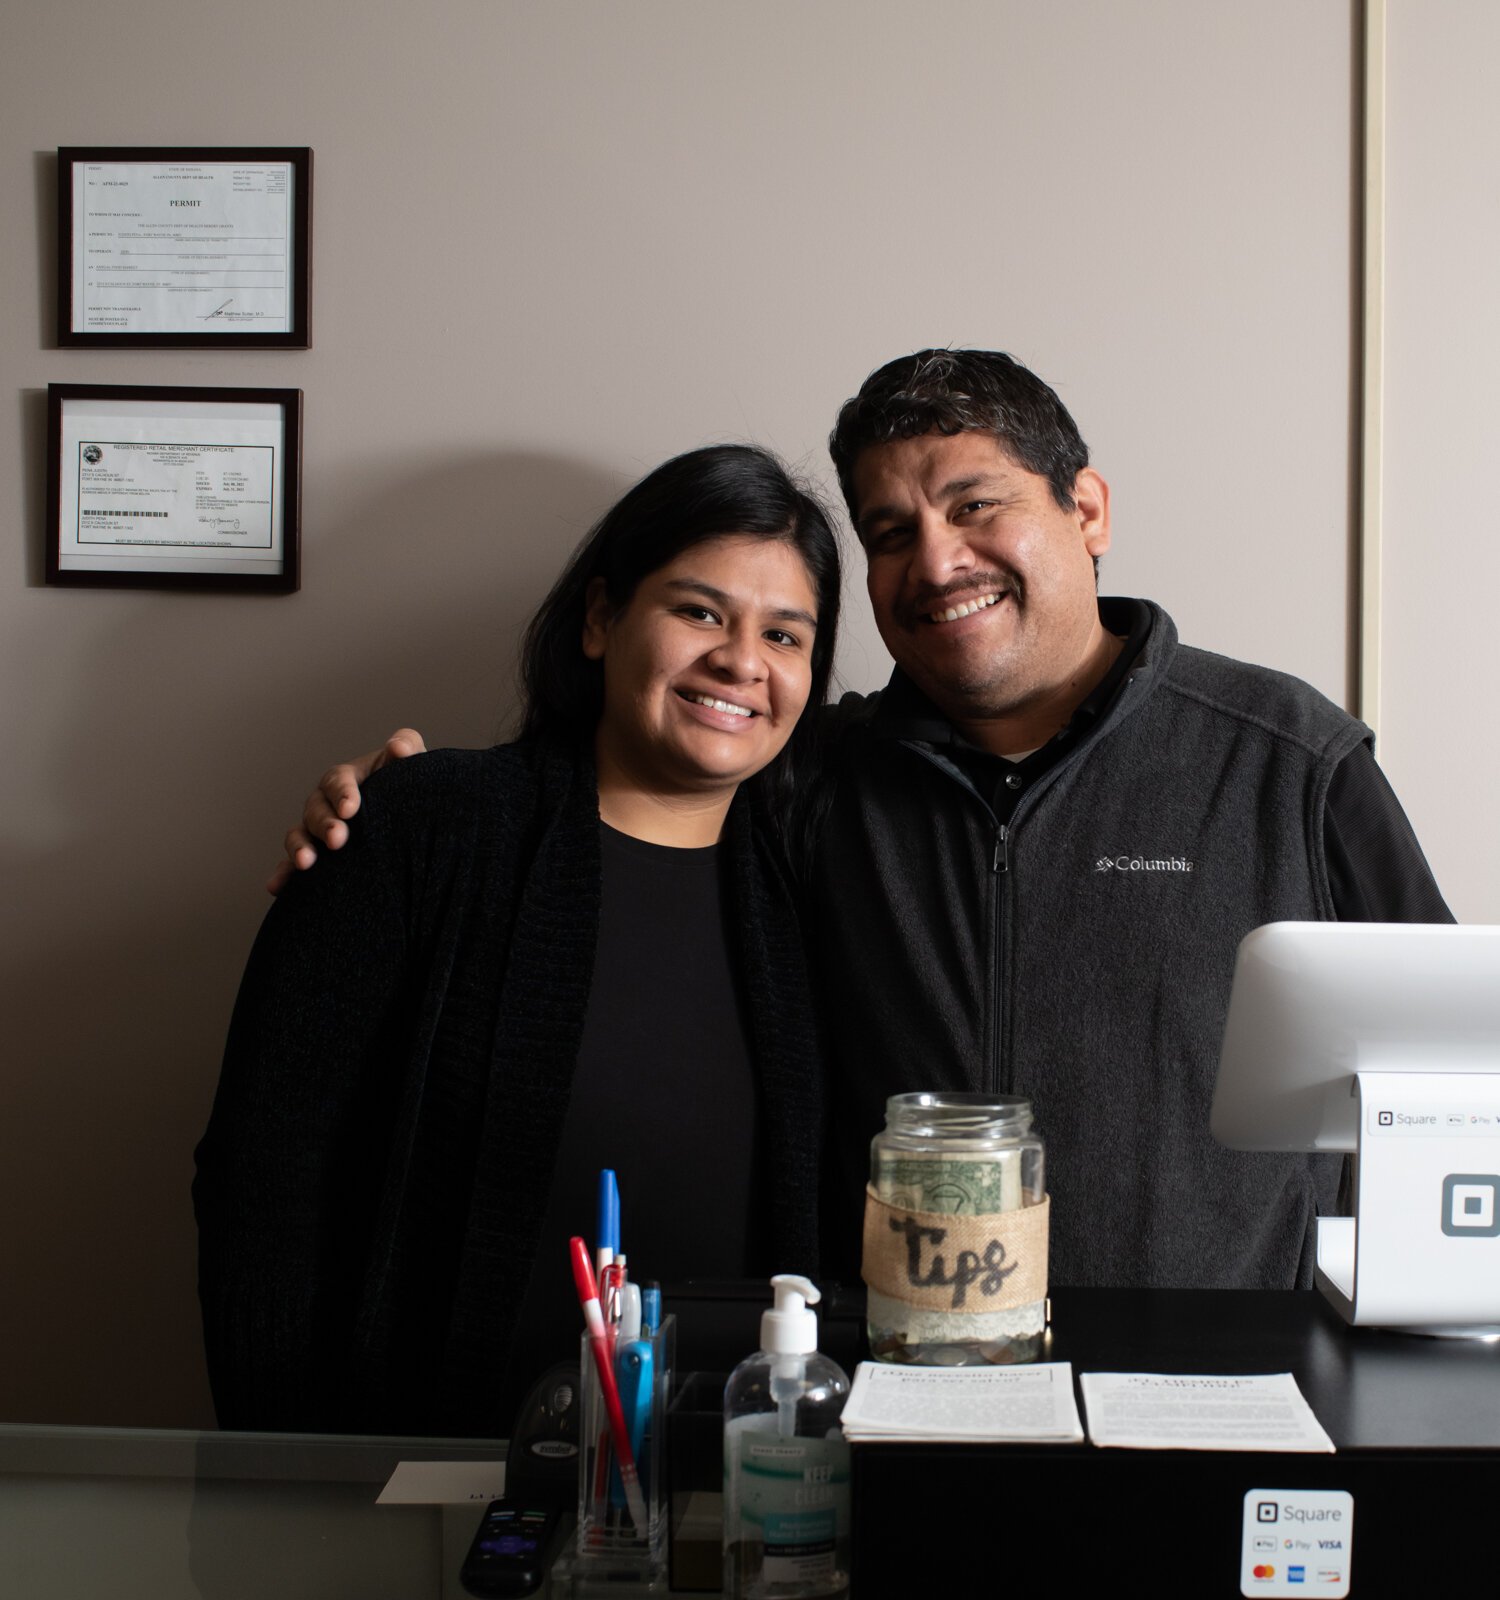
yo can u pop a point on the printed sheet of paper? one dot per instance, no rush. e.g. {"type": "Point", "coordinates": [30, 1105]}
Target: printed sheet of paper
{"type": "Point", "coordinates": [1156, 1411]}
{"type": "Point", "coordinates": [171, 485]}
{"type": "Point", "coordinates": [1016, 1403]}
{"type": "Point", "coordinates": [182, 247]}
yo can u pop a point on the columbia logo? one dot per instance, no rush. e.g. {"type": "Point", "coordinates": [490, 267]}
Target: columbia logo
{"type": "Point", "coordinates": [1143, 864]}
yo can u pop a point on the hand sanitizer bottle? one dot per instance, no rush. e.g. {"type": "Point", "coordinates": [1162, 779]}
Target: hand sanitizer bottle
{"type": "Point", "coordinates": [786, 1465]}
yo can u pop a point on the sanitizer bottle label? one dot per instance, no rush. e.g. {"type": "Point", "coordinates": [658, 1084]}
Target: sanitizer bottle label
{"type": "Point", "coordinates": [799, 1547]}
{"type": "Point", "coordinates": [790, 1500]}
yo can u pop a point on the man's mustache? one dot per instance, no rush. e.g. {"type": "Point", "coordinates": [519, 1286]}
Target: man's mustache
{"type": "Point", "coordinates": [941, 597]}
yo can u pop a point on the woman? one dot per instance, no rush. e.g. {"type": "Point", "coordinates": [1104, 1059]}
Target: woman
{"type": "Point", "coordinates": [519, 969]}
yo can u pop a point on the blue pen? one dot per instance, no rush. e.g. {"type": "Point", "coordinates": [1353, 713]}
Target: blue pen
{"type": "Point", "coordinates": [650, 1310]}
{"type": "Point", "coordinates": [633, 1378]}
{"type": "Point", "coordinates": [607, 1234]}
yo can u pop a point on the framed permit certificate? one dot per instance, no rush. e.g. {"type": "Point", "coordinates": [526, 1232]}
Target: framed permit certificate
{"type": "Point", "coordinates": [167, 488]}
{"type": "Point", "coordinates": [190, 247]}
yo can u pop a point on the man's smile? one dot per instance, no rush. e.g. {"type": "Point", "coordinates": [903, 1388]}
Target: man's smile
{"type": "Point", "coordinates": [965, 608]}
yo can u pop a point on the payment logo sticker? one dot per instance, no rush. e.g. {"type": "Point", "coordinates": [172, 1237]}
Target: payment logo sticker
{"type": "Point", "coordinates": [1310, 1520]}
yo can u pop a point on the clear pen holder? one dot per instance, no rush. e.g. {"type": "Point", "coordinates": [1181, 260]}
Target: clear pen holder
{"type": "Point", "coordinates": [611, 1551]}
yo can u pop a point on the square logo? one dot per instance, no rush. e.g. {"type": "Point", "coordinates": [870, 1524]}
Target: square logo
{"type": "Point", "coordinates": [1295, 1541]}
{"type": "Point", "coordinates": [1471, 1205]}
{"type": "Point", "coordinates": [1384, 1119]}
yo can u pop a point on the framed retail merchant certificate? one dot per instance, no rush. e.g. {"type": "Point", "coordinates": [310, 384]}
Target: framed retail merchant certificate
{"type": "Point", "coordinates": [167, 488]}
{"type": "Point", "coordinates": [184, 247]}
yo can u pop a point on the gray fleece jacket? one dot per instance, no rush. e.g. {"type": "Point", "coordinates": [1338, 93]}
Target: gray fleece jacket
{"type": "Point", "coordinates": [1082, 956]}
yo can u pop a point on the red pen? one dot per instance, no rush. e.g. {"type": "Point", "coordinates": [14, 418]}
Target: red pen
{"type": "Point", "coordinates": [593, 1316]}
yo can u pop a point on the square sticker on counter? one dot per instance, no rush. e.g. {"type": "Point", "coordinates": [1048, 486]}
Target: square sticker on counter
{"type": "Point", "coordinates": [1297, 1542]}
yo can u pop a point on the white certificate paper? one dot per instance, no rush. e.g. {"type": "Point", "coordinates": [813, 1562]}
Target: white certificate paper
{"type": "Point", "coordinates": [1157, 1411]}
{"type": "Point", "coordinates": [171, 487]}
{"type": "Point", "coordinates": [182, 247]}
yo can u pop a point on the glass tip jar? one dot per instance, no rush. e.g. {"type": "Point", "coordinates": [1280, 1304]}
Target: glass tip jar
{"type": "Point", "coordinates": [955, 1246]}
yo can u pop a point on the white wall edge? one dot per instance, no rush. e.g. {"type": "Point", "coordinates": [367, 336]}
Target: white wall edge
{"type": "Point", "coordinates": [1372, 417]}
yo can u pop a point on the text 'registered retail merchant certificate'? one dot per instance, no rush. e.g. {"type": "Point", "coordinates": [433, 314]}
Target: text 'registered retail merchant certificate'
{"type": "Point", "coordinates": [195, 490]}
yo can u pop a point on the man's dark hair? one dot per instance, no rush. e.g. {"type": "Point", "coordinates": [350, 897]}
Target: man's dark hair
{"type": "Point", "coordinates": [705, 494]}
{"type": "Point", "coordinates": [961, 391]}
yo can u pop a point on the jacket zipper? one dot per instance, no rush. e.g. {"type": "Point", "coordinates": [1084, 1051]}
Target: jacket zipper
{"type": "Point", "coordinates": [999, 877]}
{"type": "Point", "coordinates": [997, 1019]}
{"type": "Point", "coordinates": [994, 1020]}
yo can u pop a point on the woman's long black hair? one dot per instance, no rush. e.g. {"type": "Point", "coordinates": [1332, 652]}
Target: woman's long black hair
{"type": "Point", "coordinates": [704, 494]}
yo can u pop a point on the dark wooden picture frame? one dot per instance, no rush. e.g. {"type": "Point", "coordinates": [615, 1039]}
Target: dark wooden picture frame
{"type": "Point", "coordinates": [67, 567]}
{"type": "Point", "coordinates": [214, 334]}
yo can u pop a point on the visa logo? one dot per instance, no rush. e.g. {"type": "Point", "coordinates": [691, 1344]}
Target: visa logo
{"type": "Point", "coordinates": [1330, 1544]}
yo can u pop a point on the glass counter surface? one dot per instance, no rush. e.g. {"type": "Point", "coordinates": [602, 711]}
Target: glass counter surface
{"type": "Point", "coordinates": [138, 1514]}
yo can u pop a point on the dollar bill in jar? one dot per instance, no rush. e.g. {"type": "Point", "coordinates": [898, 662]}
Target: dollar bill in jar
{"type": "Point", "coordinates": [955, 1249]}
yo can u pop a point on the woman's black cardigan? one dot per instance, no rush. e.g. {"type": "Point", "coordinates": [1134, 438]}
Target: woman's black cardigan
{"type": "Point", "coordinates": [395, 1082]}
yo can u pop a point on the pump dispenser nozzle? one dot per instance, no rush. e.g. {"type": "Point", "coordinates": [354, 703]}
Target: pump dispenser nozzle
{"type": "Point", "coordinates": [789, 1331]}
{"type": "Point", "coordinates": [788, 1327]}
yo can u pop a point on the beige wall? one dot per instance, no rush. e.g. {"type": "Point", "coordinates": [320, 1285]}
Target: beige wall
{"type": "Point", "coordinates": [1442, 408]}
{"type": "Point", "coordinates": [553, 244]}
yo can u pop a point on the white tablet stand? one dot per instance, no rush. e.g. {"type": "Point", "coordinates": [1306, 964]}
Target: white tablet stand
{"type": "Point", "coordinates": [1382, 1040]}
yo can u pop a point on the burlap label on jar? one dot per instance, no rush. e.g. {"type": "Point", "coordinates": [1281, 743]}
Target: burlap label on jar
{"type": "Point", "coordinates": [937, 1262]}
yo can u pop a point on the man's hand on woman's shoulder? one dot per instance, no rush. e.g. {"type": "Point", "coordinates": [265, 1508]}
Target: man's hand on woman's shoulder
{"type": "Point", "coordinates": [327, 810]}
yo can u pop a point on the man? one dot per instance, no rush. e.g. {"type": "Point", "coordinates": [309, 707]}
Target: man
{"type": "Point", "coordinates": [1046, 837]}
{"type": "Point", "coordinates": [1050, 832]}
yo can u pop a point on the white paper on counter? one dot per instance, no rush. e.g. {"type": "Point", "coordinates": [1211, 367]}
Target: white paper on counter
{"type": "Point", "coordinates": [1158, 1411]}
{"type": "Point", "coordinates": [443, 1483]}
{"type": "Point", "coordinates": [997, 1403]}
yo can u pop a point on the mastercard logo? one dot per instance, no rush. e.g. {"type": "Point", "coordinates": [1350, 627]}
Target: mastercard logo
{"type": "Point", "coordinates": [1263, 1571]}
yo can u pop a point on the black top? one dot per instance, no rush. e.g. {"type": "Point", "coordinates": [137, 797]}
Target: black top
{"type": "Point", "coordinates": [664, 1093]}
